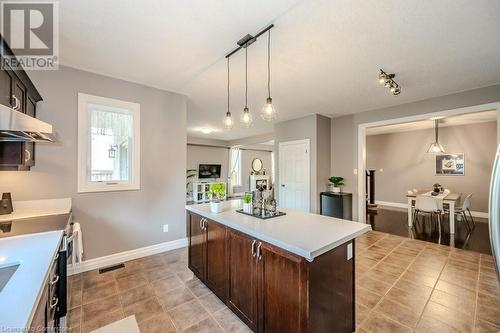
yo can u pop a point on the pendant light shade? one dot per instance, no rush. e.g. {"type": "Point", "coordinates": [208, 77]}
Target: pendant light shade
{"type": "Point", "coordinates": [436, 147]}
{"type": "Point", "coordinates": [246, 117]}
{"type": "Point", "coordinates": [268, 111]}
{"type": "Point", "coordinates": [228, 120]}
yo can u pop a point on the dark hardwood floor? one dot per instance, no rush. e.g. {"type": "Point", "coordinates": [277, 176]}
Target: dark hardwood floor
{"type": "Point", "coordinates": [394, 221]}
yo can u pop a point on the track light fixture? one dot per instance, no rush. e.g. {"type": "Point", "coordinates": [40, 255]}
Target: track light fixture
{"type": "Point", "coordinates": [388, 81]}
{"type": "Point", "coordinates": [228, 120]}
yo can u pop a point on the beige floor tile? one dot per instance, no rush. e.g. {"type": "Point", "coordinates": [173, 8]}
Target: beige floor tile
{"type": "Point", "coordinates": [485, 327]}
{"type": "Point", "coordinates": [187, 314]}
{"type": "Point", "coordinates": [100, 307]}
{"type": "Point", "coordinates": [211, 303]}
{"type": "Point", "coordinates": [93, 278]}
{"type": "Point", "coordinates": [197, 287]}
{"type": "Point", "coordinates": [175, 297]}
{"type": "Point", "coordinates": [378, 323]}
{"type": "Point", "coordinates": [75, 317]}
{"type": "Point", "coordinates": [381, 275]}
{"type": "Point", "coordinates": [136, 294]}
{"type": "Point", "coordinates": [391, 269]}
{"type": "Point", "coordinates": [408, 297]}
{"type": "Point", "coordinates": [74, 298]}
{"type": "Point", "coordinates": [420, 278]}
{"type": "Point", "coordinates": [459, 321]}
{"type": "Point", "coordinates": [185, 275]}
{"type": "Point", "coordinates": [144, 309]}
{"type": "Point", "coordinates": [367, 298]}
{"type": "Point", "coordinates": [361, 313]}
{"type": "Point", "coordinates": [104, 319]}
{"type": "Point", "coordinates": [230, 322]}
{"type": "Point", "coordinates": [131, 268]}
{"type": "Point", "coordinates": [207, 325]}
{"type": "Point", "coordinates": [376, 286]}
{"type": "Point", "coordinates": [161, 323]}
{"type": "Point", "coordinates": [99, 291]}
{"type": "Point", "coordinates": [461, 304]}
{"type": "Point", "coordinates": [398, 312]}
{"type": "Point", "coordinates": [131, 281]}
{"type": "Point", "coordinates": [490, 314]}
{"type": "Point", "coordinates": [166, 284]}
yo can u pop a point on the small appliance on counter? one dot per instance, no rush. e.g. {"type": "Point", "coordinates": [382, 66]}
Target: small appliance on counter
{"type": "Point", "coordinates": [6, 204]}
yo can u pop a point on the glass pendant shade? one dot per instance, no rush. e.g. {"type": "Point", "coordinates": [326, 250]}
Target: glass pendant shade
{"type": "Point", "coordinates": [228, 121]}
{"type": "Point", "coordinates": [436, 147]}
{"type": "Point", "coordinates": [246, 118]}
{"type": "Point", "coordinates": [268, 111]}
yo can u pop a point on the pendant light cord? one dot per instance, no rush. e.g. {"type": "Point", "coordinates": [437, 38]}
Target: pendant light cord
{"type": "Point", "coordinates": [436, 125]}
{"type": "Point", "coordinates": [228, 85]}
{"type": "Point", "coordinates": [246, 75]}
{"type": "Point", "coordinates": [269, 64]}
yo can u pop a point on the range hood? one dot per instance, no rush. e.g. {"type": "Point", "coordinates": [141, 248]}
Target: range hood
{"type": "Point", "coordinates": [16, 126]}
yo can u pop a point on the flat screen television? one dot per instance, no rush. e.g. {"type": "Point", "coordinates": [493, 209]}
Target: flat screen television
{"type": "Point", "coordinates": [209, 171]}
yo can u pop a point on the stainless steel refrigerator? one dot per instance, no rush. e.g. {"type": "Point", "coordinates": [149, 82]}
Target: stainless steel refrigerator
{"type": "Point", "coordinates": [494, 210]}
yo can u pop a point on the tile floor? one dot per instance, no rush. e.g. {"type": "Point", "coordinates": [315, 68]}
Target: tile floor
{"type": "Point", "coordinates": [402, 285]}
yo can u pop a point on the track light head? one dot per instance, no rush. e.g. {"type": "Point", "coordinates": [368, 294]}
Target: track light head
{"type": "Point", "coordinates": [388, 81]}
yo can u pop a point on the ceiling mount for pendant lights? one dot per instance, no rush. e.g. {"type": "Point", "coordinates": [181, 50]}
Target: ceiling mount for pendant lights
{"type": "Point", "coordinates": [268, 112]}
{"type": "Point", "coordinates": [436, 147]}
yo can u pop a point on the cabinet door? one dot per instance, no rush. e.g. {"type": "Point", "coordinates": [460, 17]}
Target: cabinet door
{"type": "Point", "coordinates": [6, 85]}
{"type": "Point", "coordinates": [242, 296]}
{"type": "Point", "coordinates": [217, 272]}
{"type": "Point", "coordinates": [29, 147]}
{"type": "Point", "coordinates": [197, 246]}
{"type": "Point", "coordinates": [39, 321]}
{"type": "Point", "coordinates": [282, 291]}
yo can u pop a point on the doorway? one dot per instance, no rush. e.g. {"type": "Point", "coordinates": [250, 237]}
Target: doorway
{"type": "Point", "coordinates": [294, 175]}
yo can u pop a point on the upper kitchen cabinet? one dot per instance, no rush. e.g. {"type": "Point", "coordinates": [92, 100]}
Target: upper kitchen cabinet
{"type": "Point", "coordinates": [17, 92]}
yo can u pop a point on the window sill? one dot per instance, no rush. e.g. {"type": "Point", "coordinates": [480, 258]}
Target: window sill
{"type": "Point", "coordinates": [108, 188]}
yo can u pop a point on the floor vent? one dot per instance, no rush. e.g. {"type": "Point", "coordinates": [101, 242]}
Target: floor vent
{"type": "Point", "coordinates": [111, 268]}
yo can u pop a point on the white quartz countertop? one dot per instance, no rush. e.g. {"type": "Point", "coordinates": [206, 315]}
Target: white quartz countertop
{"type": "Point", "coordinates": [36, 208]}
{"type": "Point", "coordinates": [19, 297]}
{"type": "Point", "coordinates": [305, 234]}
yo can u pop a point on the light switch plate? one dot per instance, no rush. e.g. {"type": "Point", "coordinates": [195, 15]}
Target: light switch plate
{"type": "Point", "coordinates": [165, 228]}
{"type": "Point", "coordinates": [349, 251]}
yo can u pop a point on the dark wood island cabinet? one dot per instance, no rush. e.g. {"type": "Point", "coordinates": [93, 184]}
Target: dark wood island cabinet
{"type": "Point", "coordinates": [271, 289]}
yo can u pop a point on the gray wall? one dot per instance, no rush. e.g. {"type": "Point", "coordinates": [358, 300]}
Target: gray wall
{"type": "Point", "coordinates": [406, 165]}
{"type": "Point", "coordinates": [315, 128]}
{"type": "Point", "coordinates": [345, 128]}
{"type": "Point", "coordinates": [111, 221]}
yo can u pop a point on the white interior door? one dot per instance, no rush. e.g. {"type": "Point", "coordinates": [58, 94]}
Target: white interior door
{"type": "Point", "coordinates": [294, 175]}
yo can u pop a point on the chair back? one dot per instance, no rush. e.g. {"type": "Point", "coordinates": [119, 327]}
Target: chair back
{"type": "Point", "coordinates": [467, 201]}
{"type": "Point", "coordinates": [427, 203]}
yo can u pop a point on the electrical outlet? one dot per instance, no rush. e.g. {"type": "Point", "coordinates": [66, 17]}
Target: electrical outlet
{"type": "Point", "coordinates": [165, 228]}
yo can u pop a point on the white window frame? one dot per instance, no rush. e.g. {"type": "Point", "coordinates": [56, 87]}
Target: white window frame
{"type": "Point", "coordinates": [84, 185]}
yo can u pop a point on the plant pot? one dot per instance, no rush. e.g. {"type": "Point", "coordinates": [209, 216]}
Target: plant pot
{"type": "Point", "coordinates": [336, 189]}
{"type": "Point", "coordinates": [215, 207]}
{"type": "Point", "coordinates": [248, 208]}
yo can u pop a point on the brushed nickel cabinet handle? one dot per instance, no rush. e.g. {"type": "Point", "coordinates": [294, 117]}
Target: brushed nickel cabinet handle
{"type": "Point", "coordinates": [259, 253]}
{"type": "Point", "coordinates": [28, 155]}
{"type": "Point", "coordinates": [54, 302]}
{"type": "Point", "coordinates": [17, 103]}
{"type": "Point", "coordinates": [54, 281]}
{"type": "Point", "coordinates": [253, 248]}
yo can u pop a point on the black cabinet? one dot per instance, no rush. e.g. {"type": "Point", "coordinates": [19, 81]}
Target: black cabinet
{"type": "Point", "coordinates": [336, 205]}
{"type": "Point", "coordinates": [18, 92]}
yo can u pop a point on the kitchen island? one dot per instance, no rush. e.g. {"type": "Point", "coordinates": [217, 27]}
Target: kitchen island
{"type": "Point", "coordinates": [293, 273]}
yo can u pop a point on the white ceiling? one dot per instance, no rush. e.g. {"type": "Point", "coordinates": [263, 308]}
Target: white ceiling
{"type": "Point", "coordinates": [325, 54]}
{"type": "Point", "coordinates": [464, 119]}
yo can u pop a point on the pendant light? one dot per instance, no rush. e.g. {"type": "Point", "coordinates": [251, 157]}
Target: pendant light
{"type": "Point", "coordinates": [228, 120]}
{"type": "Point", "coordinates": [246, 117]}
{"type": "Point", "coordinates": [436, 147]}
{"type": "Point", "coordinates": [268, 111]}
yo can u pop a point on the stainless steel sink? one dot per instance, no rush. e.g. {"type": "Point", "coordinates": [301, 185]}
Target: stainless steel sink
{"type": "Point", "coordinates": [6, 272]}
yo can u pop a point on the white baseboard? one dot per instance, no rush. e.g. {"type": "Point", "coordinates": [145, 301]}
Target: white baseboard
{"type": "Point", "coordinates": [483, 215]}
{"type": "Point", "coordinates": [116, 258]}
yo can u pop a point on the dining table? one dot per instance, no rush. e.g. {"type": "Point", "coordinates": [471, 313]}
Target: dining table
{"type": "Point", "coordinates": [450, 198]}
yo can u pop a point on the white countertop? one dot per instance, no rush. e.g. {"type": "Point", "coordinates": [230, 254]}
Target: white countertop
{"type": "Point", "coordinates": [34, 253]}
{"type": "Point", "coordinates": [305, 234]}
{"type": "Point", "coordinates": [36, 208]}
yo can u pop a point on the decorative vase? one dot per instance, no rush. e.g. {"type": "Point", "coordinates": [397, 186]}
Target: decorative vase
{"type": "Point", "coordinates": [216, 206]}
{"type": "Point", "coordinates": [248, 208]}
{"type": "Point", "coordinates": [336, 189]}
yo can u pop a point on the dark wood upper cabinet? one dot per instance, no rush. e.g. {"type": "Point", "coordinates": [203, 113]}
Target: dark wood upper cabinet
{"type": "Point", "coordinates": [217, 271]}
{"type": "Point", "coordinates": [197, 246]}
{"type": "Point", "coordinates": [17, 91]}
{"type": "Point", "coordinates": [243, 278]}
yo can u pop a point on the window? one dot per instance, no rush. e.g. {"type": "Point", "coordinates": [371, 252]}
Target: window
{"type": "Point", "coordinates": [235, 166]}
{"type": "Point", "coordinates": [108, 144]}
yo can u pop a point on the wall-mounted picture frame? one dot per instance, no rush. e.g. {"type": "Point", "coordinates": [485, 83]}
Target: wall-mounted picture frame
{"type": "Point", "coordinates": [450, 164]}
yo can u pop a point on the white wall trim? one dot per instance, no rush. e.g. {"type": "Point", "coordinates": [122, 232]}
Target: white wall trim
{"type": "Point", "coordinates": [361, 170]}
{"type": "Point", "coordinates": [483, 215]}
{"type": "Point", "coordinates": [120, 257]}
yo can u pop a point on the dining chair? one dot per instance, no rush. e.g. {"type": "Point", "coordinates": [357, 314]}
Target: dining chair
{"type": "Point", "coordinates": [463, 209]}
{"type": "Point", "coordinates": [429, 206]}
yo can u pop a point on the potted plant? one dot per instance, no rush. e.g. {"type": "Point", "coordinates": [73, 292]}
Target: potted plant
{"type": "Point", "coordinates": [217, 193]}
{"type": "Point", "coordinates": [336, 183]}
{"type": "Point", "coordinates": [437, 188]}
{"type": "Point", "coordinates": [247, 203]}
